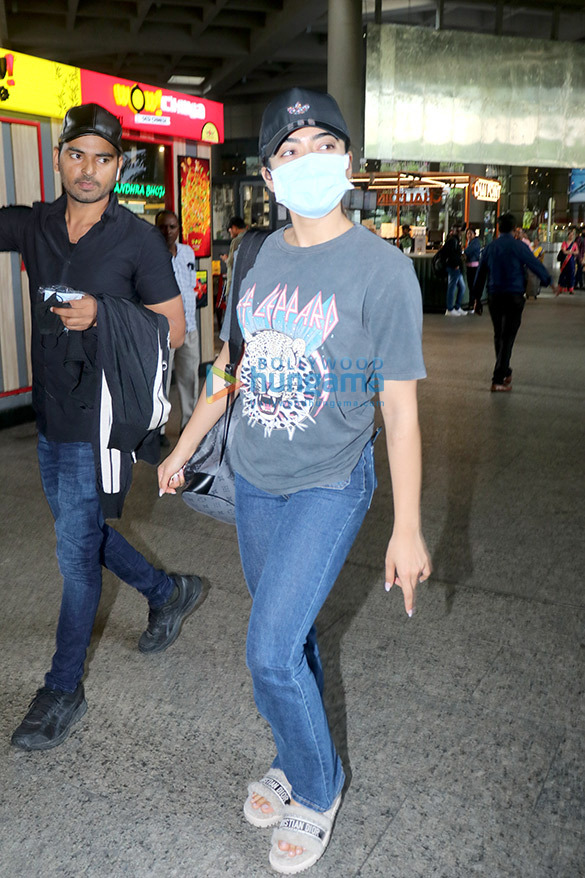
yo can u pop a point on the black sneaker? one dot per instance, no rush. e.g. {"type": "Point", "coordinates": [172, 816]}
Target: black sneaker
{"type": "Point", "coordinates": [49, 719]}
{"type": "Point", "coordinates": [164, 623]}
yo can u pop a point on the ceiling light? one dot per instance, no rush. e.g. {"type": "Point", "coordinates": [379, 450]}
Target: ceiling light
{"type": "Point", "coordinates": [186, 80]}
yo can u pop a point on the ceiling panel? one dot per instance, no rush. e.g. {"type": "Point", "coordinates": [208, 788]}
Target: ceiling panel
{"type": "Point", "coordinates": [244, 47]}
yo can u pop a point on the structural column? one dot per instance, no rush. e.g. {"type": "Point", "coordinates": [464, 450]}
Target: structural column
{"type": "Point", "coordinates": [518, 192]}
{"type": "Point", "coordinates": [345, 67]}
{"type": "Point", "coordinates": [477, 208]}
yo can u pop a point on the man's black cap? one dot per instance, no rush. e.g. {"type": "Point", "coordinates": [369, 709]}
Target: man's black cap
{"type": "Point", "coordinates": [91, 119]}
{"type": "Point", "coordinates": [294, 109]}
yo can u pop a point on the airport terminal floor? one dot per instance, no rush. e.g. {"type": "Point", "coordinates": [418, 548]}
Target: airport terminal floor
{"type": "Point", "coordinates": [461, 729]}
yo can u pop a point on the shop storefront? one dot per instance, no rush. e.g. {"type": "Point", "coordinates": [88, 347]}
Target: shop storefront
{"type": "Point", "coordinates": [430, 107]}
{"type": "Point", "coordinates": [429, 203]}
{"type": "Point", "coordinates": [167, 148]}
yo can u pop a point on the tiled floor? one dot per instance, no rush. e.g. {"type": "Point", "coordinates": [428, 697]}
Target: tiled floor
{"type": "Point", "coordinates": [462, 729]}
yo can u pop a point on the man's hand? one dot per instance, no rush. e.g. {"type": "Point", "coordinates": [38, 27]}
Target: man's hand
{"type": "Point", "coordinates": [81, 315]}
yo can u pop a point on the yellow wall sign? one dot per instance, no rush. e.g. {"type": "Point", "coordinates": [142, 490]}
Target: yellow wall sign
{"type": "Point", "coordinates": [37, 86]}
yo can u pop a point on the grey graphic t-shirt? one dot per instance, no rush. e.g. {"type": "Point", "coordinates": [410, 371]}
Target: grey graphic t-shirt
{"type": "Point", "coordinates": [324, 327]}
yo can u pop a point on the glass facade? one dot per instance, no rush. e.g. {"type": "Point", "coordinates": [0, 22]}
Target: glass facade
{"type": "Point", "coordinates": [462, 97]}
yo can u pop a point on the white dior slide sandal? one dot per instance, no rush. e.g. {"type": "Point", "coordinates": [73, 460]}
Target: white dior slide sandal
{"type": "Point", "coordinates": [304, 828]}
{"type": "Point", "coordinates": [275, 788]}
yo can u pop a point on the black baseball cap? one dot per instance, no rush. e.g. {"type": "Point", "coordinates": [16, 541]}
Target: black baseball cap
{"type": "Point", "coordinates": [91, 119]}
{"type": "Point", "coordinates": [294, 109]}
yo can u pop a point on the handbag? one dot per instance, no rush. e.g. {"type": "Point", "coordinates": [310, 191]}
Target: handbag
{"type": "Point", "coordinates": [209, 474]}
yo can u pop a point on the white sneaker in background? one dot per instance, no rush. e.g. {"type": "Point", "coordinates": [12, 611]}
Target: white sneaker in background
{"type": "Point", "coordinates": [452, 313]}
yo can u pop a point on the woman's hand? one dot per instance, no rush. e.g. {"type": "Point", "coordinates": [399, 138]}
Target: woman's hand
{"type": "Point", "coordinates": [170, 473]}
{"type": "Point", "coordinates": [407, 564]}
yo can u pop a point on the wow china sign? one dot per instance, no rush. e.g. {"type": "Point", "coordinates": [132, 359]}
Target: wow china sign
{"type": "Point", "coordinates": [154, 110]}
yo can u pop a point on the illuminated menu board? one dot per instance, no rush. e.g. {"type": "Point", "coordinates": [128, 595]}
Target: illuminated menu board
{"type": "Point", "coordinates": [195, 204]}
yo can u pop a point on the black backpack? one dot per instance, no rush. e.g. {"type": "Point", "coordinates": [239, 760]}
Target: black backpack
{"type": "Point", "coordinates": [439, 265]}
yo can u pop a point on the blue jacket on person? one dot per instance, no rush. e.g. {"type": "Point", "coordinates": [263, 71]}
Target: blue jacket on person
{"type": "Point", "coordinates": [473, 250]}
{"type": "Point", "coordinates": [504, 261]}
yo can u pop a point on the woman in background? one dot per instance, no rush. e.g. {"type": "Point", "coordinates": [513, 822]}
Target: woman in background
{"type": "Point", "coordinates": [568, 255]}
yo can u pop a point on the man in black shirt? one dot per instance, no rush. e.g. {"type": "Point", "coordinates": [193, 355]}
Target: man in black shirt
{"type": "Point", "coordinates": [86, 241]}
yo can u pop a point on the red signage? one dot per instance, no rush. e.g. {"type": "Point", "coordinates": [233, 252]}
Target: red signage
{"type": "Point", "coordinates": [415, 196]}
{"type": "Point", "coordinates": [154, 110]}
{"type": "Point", "coordinates": [195, 206]}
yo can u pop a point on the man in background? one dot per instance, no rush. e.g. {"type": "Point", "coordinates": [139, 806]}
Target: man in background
{"type": "Point", "coordinates": [185, 360]}
{"type": "Point", "coordinates": [504, 262]}
{"type": "Point", "coordinates": [406, 241]}
{"type": "Point", "coordinates": [236, 230]}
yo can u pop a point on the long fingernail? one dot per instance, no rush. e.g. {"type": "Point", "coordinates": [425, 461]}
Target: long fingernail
{"type": "Point", "coordinates": [410, 613]}
{"type": "Point", "coordinates": [387, 586]}
{"type": "Point", "coordinates": [160, 492]}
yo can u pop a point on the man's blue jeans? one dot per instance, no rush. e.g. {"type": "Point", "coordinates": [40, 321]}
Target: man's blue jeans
{"type": "Point", "coordinates": [456, 286]}
{"type": "Point", "coordinates": [85, 543]}
{"type": "Point", "coordinates": [293, 548]}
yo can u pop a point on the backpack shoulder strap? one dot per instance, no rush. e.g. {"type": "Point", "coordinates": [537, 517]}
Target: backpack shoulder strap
{"type": "Point", "coordinates": [245, 258]}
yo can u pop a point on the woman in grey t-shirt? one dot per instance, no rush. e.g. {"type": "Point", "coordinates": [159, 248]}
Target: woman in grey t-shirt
{"type": "Point", "coordinates": [331, 318]}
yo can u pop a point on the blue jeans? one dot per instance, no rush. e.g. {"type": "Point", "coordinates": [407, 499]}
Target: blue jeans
{"type": "Point", "coordinates": [293, 548]}
{"type": "Point", "coordinates": [456, 286]}
{"type": "Point", "coordinates": [85, 543]}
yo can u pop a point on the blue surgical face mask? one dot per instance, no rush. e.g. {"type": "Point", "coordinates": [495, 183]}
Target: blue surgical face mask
{"type": "Point", "coordinates": [313, 185]}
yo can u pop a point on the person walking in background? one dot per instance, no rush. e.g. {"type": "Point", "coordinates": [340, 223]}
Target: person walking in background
{"type": "Point", "coordinates": [472, 254]}
{"type": "Point", "coordinates": [119, 263]}
{"type": "Point", "coordinates": [568, 256]}
{"type": "Point", "coordinates": [581, 260]}
{"type": "Point", "coordinates": [537, 247]}
{"type": "Point", "coordinates": [236, 230]}
{"type": "Point", "coordinates": [532, 280]}
{"type": "Point", "coordinates": [321, 289]}
{"type": "Point", "coordinates": [504, 263]}
{"type": "Point", "coordinates": [455, 281]}
{"type": "Point", "coordinates": [185, 360]}
{"type": "Point", "coordinates": [522, 235]}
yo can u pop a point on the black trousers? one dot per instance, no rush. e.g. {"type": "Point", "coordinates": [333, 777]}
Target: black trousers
{"type": "Point", "coordinates": [506, 313]}
{"type": "Point", "coordinates": [471, 271]}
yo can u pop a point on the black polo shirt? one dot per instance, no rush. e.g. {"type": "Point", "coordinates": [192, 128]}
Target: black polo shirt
{"type": "Point", "coordinates": [121, 255]}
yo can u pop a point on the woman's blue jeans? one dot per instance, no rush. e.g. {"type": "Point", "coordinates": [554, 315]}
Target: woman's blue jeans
{"type": "Point", "coordinates": [85, 543]}
{"type": "Point", "coordinates": [293, 548]}
{"type": "Point", "coordinates": [455, 288]}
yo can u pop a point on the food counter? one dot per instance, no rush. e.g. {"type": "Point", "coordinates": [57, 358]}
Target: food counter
{"type": "Point", "coordinates": [434, 290]}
